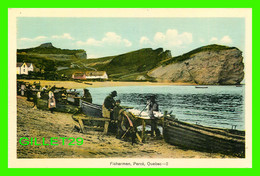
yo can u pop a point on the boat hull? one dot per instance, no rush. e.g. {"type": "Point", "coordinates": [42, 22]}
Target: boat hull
{"type": "Point", "coordinates": [91, 110]}
{"type": "Point", "coordinates": [214, 140]}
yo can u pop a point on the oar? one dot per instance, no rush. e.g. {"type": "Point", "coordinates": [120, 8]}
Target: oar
{"type": "Point", "coordinates": [125, 133]}
{"type": "Point", "coordinates": [143, 109]}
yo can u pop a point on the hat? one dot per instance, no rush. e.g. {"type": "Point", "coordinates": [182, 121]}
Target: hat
{"type": "Point", "coordinates": [152, 97]}
{"type": "Point", "coordinates": [114, 93]}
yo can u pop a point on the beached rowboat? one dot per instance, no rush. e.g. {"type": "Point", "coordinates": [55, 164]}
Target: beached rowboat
{"type": "Point", "coordinates": [209, 139]}
{"type": "Point", "coordinates": [90, 109]}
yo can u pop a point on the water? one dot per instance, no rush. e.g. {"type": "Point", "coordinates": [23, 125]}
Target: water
{"type": "Point", "coordinates": [215, 106]}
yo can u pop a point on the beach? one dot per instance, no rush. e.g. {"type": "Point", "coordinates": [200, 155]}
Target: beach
{"type": "Point", "coordinates": [35, 123]}
{"type": "Point", "coordinates": [85, 84]}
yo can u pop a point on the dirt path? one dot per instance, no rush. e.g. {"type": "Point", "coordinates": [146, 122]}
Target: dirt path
{"type": "Point", "coordinates": [38, 123]}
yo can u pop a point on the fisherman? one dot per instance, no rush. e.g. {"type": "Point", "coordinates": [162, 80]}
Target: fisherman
{"type": "Point", "coordinates": [87, 96]}
{"type": "Point", "coordinates": [28, 92]}
{"type": "Point", "coordinates": [108, 105]}
{"type": "Point", "coordinates": [117, 115]}
{"type": "Point", "coordinates": [116, 110]}
{"type": "Point", "coordinates": [153, 106]}
{"type": "Point", "coordinates": [44, 88]}
{"type": "Point", "coordinates": [23, 88]}
{"type": "Point", "coordinates": [34, 95]}
{"type": "Point", "coordinates": [52, 102]}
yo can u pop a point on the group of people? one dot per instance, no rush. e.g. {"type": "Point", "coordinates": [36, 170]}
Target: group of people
{"type": "Point", "coordinates": [111, 105]}
{"type": "Point", "coordinates": [35, 91]}
{"type": "Point", "coordinates": [52, 94]}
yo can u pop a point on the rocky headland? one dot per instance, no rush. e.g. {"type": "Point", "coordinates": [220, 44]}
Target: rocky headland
{"type": "Point", "coordinates": [210, 67]}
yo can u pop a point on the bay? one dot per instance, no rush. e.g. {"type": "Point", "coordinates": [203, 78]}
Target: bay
{"type": "Point", "coordinates": [215, 106]}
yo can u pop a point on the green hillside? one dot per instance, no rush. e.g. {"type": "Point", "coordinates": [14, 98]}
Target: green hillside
{"type": "Point", "coordinates": [129, 66]}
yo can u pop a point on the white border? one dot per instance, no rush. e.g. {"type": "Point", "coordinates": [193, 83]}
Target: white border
{"type": "Point", "coordinates": [13, 162]}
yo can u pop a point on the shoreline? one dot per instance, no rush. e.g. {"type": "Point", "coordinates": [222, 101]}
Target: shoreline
{"type": "Point", "coordinates": [39, 123]}
{"type": "Point", "coordinates": [77, 85]}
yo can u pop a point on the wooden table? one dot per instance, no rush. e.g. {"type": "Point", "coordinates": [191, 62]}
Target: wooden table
{"type": "Point", "coordinates": [144, 121]}
{"type": "Point", "coordinates": [81, 118]}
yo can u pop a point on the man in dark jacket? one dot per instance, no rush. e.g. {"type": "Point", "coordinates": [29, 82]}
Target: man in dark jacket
{"type": "Point", "coordinates": [87, 96]}
{"type": "Point", "coordinates": [108, 105]}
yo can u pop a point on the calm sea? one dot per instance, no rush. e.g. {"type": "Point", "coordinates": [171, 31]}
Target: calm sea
{"type": "Point", "coordinates": [216, 106]}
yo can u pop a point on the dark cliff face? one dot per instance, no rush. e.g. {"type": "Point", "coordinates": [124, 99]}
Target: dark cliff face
{"type": "Point", "coordinates": [46, 45]}
{"type": "Point", "coordinates": [211, 67]}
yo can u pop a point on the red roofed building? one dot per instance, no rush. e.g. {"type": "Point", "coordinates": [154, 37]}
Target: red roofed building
{"type": "Point", "coordinates": [90, 75]}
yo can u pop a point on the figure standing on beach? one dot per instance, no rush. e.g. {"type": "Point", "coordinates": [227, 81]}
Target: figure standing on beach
{"type": "Point", "coordinates": [87, 96]}
{"type": "Point", "coordinates": [23, 88]}
{"type": "Point", "coordinates": [34, 95]}
{"type": "Point", "coordinates": [153, 106]}
{"type": "Point", "coordinates": [108, 105]}
{"type": "Point", "coordinates": [52, 102]}
{"type": "Point", "coordinates": [28, 92]}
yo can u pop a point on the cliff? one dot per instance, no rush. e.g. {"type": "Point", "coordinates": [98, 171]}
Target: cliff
{"type": "Point", "coordinates": [210, 65]}
{"type": "Point", "coordinates": [49, 51]}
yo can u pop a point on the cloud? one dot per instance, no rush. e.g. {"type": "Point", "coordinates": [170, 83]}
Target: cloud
{"type": "Point", "coordinates": [34, 39]}
{"type": "Point", "coordinates": [63, 36]}
{"type": "Point", "coordinates": [224, 40]}
{"type": "Point", "coordinates": [213, 39]}
{"type": "Point", "coordinates": [43, 38]}
{"type": "Point", "coordinates": [144, 41]}
{"type": "Point", "coordinates": [110, 39]}
{"type": "Point", "coordinates": [159, 37]}
{"type": "Point", "coordinates": [202, 40]}
{"type": "Point", "coordinates": [171, 38]}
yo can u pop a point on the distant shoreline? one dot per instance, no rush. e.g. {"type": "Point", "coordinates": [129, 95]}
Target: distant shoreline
{"type": "Point", "coordinates": [76, 85]}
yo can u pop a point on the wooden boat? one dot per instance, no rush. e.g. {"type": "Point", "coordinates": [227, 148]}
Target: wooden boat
{"type": "Point", "coordinates": [90, 109]}
{"type": "Point", "coordinates": [208, 139]}
{"type": "Point", "coordinates": [201, 87]}
{"type": "Point", "coordinates": [73, 98]}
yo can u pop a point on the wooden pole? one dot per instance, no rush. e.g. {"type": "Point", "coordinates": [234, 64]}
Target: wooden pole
{"type": "Point", "coordinates": [81, 126]}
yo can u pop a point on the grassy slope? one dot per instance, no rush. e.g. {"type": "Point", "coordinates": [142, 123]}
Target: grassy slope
{"type": "Point", "coordinates": [130, 65]}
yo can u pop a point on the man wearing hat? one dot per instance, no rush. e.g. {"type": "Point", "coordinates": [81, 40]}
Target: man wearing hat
{"type": "Point", "coordinates": [108, 105]}
{"type": "Point", "coordinates": [153, 106]}
{"type": "Point", "coordinates": [87, 96]}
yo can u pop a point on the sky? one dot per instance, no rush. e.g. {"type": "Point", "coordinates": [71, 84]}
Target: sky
{"type": "Point", "coordinates": [102, 37]}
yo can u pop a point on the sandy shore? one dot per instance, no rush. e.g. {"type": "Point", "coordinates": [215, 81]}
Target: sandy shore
{"type": "Point", "coordinates": [39, 123]}
{"type": "Point", "coordinates": [76, 85]}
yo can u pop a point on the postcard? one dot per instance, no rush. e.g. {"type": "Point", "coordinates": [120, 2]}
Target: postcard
{"type": "Point", "coordinates": [130, 88]}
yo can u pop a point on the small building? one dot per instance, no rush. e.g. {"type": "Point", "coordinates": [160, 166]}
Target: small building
{"type": "Point", "coordinates": [79, 75]}
{"type": "Point", "coordinates": [21, 68]}
{"type": "Point", "coordinates": [90, 75]}
{"type": "Point", "coordinates": [96, 75]}
{"type": "Point", "coordinates": [30, 67]}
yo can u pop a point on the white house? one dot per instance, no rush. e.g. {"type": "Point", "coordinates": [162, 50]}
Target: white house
{"type": "Point", "coordinates": [90, 75]}
{"type": "Point", "coordinates": [21, 68]}
{"type": "Point", "coordinates": [96, 75]}
{"type": "Point", "coordinates": [30, 67]}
